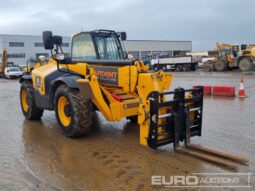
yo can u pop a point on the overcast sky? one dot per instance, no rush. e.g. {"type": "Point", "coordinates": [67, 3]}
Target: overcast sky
{"type": "Point", "coordinates": [202, 21]}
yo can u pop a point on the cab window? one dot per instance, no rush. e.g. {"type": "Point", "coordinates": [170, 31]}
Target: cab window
{"type": "Point", "coordinates": [83, 48]}
{"type": "Point", "coordinates": [108, 47]}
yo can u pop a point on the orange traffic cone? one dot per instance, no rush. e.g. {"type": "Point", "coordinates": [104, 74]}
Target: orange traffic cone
{"type": "Point", "coordinates": [241, 93]}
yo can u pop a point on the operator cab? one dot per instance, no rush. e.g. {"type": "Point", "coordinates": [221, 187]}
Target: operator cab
{"type": "Point", "coordinates": [94, 47]}
{"type": "Point", "coordinates": [98, 45]}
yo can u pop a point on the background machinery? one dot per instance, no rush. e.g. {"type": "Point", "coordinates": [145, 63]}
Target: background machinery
{"type": "Point", "coordinates": [166, 62]}
{"type": "Point", "coordinates": [97, 77]}
{"type": "Point", "coordinates": [232, 56]}
{"type": "Point", "coordinates": [5, 64]}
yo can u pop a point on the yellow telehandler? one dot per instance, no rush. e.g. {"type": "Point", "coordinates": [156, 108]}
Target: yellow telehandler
{"type": "Point", "coordinates": [97, 77]}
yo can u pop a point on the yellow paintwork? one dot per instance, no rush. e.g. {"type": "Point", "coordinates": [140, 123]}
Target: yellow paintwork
{"type": "Point", "coordinates": [24, 104]}
{"type": "Point", "coordinates": [134, 84]}
{"type": "Point", "coordinates": [43, 71]}
{"type": "Point", "coordinates": [62, 103]}
{"type": "Point", "coordinates": [148, 82]}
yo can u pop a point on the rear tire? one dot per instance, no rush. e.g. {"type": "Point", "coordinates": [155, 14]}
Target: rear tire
{"type": "Point", "coordinates": [75, 118]}
{"type": "Point", "coordinates": [220, 66]}
{"type": "Point", "coordinates": [187, 67]}
{"type": "Point", "coordinates": [246, 65]}
{"type": "Point", "coordinates": [27, 102]}
{"type": "Point", "coordinates": [179, 68]}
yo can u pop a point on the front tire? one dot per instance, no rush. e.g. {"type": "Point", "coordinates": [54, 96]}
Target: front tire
{"type": "Point", "coordinates": [208, 66]}
{"type": "Point", "coordinates": [246, 65]}
{"type": "Point", "coordinates": [27, 102]}
{"type": "Point", "coordinates": [74, 114]}
{"type": "Point", "coordinates": [221, 66]}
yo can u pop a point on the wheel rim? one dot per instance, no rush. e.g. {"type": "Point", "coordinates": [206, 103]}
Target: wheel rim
{"type": "Point", "coordinates": [220, 65]}
{"type": "Point", "coordinates": [24, 103]}
{"type": "Point", "coordinates": [64, 115]}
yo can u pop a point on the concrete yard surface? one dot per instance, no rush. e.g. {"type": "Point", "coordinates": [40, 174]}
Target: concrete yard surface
{"type": "Point", "coordinates": [35, 155]}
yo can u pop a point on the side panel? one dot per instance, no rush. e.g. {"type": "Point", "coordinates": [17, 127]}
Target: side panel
{"type": "Point", "coordinates": [107, 75]}
{"type": "Point", "coordinates": [113, 76]}
{"type": "Point", "coordinates": [175, 60]}
{"type": "Point", "coordinates": [43, 76]}
{"type": "Point", "coordinates": [39, 75]}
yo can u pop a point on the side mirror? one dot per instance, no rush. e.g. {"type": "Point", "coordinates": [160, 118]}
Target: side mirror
{"type": "Point", "coordinates": [48, 40]}
{"type": "Point", "coordinates": [123, 35]}
{"type": "Point", "coordinates": [57, 40]}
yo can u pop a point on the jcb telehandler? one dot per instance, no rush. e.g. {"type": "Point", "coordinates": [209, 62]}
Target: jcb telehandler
{"type": "Point", "coordinates": [97, 77]}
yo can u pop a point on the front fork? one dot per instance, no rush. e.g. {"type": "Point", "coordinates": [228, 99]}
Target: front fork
{"type": "Point", "coordinates": [164, 121]}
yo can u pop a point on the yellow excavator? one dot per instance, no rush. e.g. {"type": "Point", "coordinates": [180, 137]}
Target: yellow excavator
{"type": "Point", "coordinates": [98, 77]}
{"type": "Point", "coordinates": [232, 56]}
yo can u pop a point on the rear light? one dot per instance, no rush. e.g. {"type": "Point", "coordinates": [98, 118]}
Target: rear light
{"type": "Point", "coordinates": [116, 97]}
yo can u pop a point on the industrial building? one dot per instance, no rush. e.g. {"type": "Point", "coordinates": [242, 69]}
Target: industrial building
{"type": "Point", "coordinates": [21, 48]}
{"type": "Point", "coordinates": [140, 48]}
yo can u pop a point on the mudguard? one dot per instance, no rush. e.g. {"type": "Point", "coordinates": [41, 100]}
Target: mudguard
{"type": "Point", "coordinates": [69, 81]}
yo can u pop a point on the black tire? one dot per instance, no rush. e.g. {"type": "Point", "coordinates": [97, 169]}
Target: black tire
{"type": "Point", "coordinates": [187, 67]}
{"type": "Point", "coordinates": [179, 68]}
{"type": "Point", "coordinates": [133, 119]}
{"type": "Point", "coordinates": [33, 112]}
{"type": "Point", "coordinates": [221, 65]}
{"type": "Point", "coordinates": [246, 65]}
{"type": "Point", "coordinates": [193, 67]}
{"type": "Point", "coordinates": [81, 112]}
{"type": "Point", "coordinates": [208, 66]}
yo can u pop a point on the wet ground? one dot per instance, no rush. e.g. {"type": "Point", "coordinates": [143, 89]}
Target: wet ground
{"type": "Point", "coordinates": [36, 156]}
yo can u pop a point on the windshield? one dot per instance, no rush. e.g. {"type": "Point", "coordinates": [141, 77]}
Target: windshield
{"type": "Point", "coordinates": [108, 47]}
{"type": "Point", "coordinates": [14, 70]}
{"type": "Point", "coordinates": [83, 48]}
{"type": "Point", "coordinates": [225, 51]}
